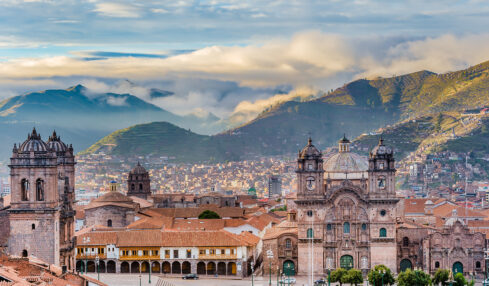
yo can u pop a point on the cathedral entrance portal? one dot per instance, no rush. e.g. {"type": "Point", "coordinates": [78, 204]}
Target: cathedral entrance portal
{"type": "Point", "coordinates": [346, 262]}
{"type": "Point", "coordinates": [405, 264]}
{"type": "Point", "coordinates": [289, 268]}
{"type": "Point", "coordinates": [458, 267]}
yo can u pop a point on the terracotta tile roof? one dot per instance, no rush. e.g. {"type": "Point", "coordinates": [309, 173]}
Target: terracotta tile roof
{"type": "Point", "coordinates": [152, 223]}
{"type": "Point", "coordinates": [249, 238]}
{"type": "Point", "coordinates": [113, 199]}
{"type": "Point", "coordinates": [414, 206]}
{"type": "Point", "coordinates": [142, 202]}
{"type": "Point", "coordinates": [148, 237]}
{"type": "Point", "coordinates": [478, 223]}
{"type": "Point", "coordinates": [446, 210]}
{"type": "Point", "coordinates": [200, 239]}
{"type": "Point", "coordinates": [285, 227]}
{"type": "Point", "coordinates": [199, 224]}
{"type": "Point", "coordinates": [97, 238]}
{"type": "Point", "coordinates": [223, 212]}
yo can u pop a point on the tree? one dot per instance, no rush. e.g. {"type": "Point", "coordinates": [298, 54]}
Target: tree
{"type": "Point", "coordinates": [353, 277]}
{"type": "Point", "coordinates": [413, 278]}
{"type": "Point", "coordinates": [441, 276]}
{"type": "Point", "coordinates": [459, 279]}
{"type": "Point", "coordinates": [207, 214]}
{"type": "Point", "coordinates": [375, 277]}
{"type": "Point", "coordinates": [337, 274]}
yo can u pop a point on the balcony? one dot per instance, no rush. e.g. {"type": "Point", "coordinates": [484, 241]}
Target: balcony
{"type": "Point", "coordinates": [90, 256]}
{"type": "Point", "coordinates": [217, 256]}
{"type": "Point", "coordinates": [137, 257]}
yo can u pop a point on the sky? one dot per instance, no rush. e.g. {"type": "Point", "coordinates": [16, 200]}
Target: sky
{"type": "Point", "coordinates": [232, 58]}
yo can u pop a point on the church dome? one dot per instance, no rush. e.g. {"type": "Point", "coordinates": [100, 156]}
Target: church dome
{"type": "Point", "coordinates": [309, 151]}
{"type": "Point", "coordinates": [55, 143]}
{"type": "Point", "coordinates": [33, 143]}
{"type": "Point", "coordinates": [138, 170]}
{"type": "Point", "coordinates": [345, 164]}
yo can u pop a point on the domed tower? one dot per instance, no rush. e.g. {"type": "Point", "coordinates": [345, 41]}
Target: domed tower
{"type": "Point", "coordinates": [381, 171]}
{"type": "Point", "coordinates": [138, 182]}
{"type": "Point", "coordinates": [382, 205]}
{"type": "Point", "coordinates": [34, 213]}
{"type": "Point", "coordinates": [309, 172]}
{"type": "Point", "coordinates": [66, 189]}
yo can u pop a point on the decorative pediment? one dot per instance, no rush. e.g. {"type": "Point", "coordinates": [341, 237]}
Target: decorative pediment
{"type": "Point", "coordinates": [346, 187]}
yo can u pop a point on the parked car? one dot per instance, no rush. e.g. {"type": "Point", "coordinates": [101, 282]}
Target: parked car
{"type": "Point", "coordinates": [321, 281]}
{"type": "Point", "coordinates": [288, 280]}
{"type": "Point", "coordinates": [190, 276]}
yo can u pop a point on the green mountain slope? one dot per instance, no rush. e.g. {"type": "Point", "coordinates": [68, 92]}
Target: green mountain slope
{"type": "Point", "coordinates": [359, 107]}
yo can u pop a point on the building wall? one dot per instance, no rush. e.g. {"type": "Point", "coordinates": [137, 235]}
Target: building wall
{"type": "Point", "coordinates": [120, 216]}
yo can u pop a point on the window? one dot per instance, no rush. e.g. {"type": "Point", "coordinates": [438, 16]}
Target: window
{"type": "Point", "coordinates": [167, 253]}
{"type": "Point", "coordinates": [33, 226]}
{"type": "Point", "coordinates": [202, 252]}
{"type": "Point", "coordinates": [155, 252]}
{"type": "Point", "coordinates": [405, 241]}
{"type": "Point", "coordinates": [140, 187]}
{"type": "Point", "coordinates": [477, 264]}
{"type": "Point", "coordinates": [232, 251]}
{"type": "Point", "coordinates": [346, 227]}
{"type": "Point", "coordinates": [364, 226]}
{"type": "Point", "coordinates": [288, 243]}
{"type": "Point", "coordinates": [175, 253]}
{"type": "Point", "coordinates": [310, 233]}
{"type": "Point", "coordinates": [109, 223]}
{"type": "Point", "coordinates": [437, 264]}
{"type": "Point", "coordinates": [309, 213]}
{"type": "Point", "coordinates": [211, 251]}
{"type": "Point", "coordinates": [310, 167]}
{"type": "Point", "coordinates": [383, 232]}
{"type": "Point", "coordinates": [24, 189]}
{"type": "Point", "coordinates": [134, 252]}
{"type": "Point", "coordinates": [383, 212]}
{"type": "Point", "coordinates": [39, 190]}
{"type": "Point", "coordinates": [189, 253]}
{"type": "Point", "coordinates": [223, 251]}
{"type": "Point", "coordinates": [329, 226]}
{"type": "Point", "coordinates": [381, 182]}
{"type": "Point", "coordinates": [133, 187]}
{"type": "Point", "coordinates": [24, 254]}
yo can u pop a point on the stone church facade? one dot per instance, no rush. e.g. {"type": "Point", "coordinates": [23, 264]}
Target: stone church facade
{"type": "Point", "coordinates": [346, 209]}
{"type": "Point", "coordinates": [41, 214]}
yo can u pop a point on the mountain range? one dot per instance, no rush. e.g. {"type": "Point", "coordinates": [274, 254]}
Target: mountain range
{"type": "Point", "coordinates": [357, 107]}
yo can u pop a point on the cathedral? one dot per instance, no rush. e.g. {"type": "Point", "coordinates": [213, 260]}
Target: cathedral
{"type": "Point", "coordinates": [41, 214]}
{"type": "Point", "coordinates": [346, 209]}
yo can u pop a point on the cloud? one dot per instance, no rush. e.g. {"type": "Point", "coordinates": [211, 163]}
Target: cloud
{"type": "Point", "coordinates": [117, 10]}
{"type": "Point", "coordinates": [117, 101]}
{"type": "Point", "coordinates": [240, 81]}
{"type": "Point", "coordinates": [247, 110]}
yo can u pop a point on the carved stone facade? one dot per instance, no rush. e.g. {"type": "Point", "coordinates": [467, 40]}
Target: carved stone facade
{"type": "Point", "coordinates": [346, 209]}
{"type": "Point", "coordinates": [41, 212]}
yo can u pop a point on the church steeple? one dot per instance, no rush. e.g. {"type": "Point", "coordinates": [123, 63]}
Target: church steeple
{"type": "Point", "coordinates": [344, 145]}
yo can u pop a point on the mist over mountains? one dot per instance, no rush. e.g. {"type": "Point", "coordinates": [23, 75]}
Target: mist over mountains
{"type": "Point", "coordinates": [84, 117]}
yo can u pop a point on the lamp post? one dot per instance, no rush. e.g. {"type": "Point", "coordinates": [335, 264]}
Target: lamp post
{"type": "Point", "coordinates": [329, 277]}
{"type": "Point", "coordinates": [252, 272]}
{"type": "Point", "coordinates": [149, 261]}
{"type": "Point", "coordinates": [270, 257]}
{"type": "Point", "coordinates": [97, 261]}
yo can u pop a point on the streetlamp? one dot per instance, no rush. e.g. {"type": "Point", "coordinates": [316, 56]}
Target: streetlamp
{"type": "Point", "coordinates": [97, 261]}
{"type": "Point", "coordinates": [140, 278]}
{"type": "Point", "coordinates": [252, 272]}
{"type": "Point", "coordinates": [278, 273]}
{"type": "Point", "coordinates": [270, 257]}
{"type": "Point", "coordinates": [149, 261]}
{"type": "Point", "coordinates": [329, 277]}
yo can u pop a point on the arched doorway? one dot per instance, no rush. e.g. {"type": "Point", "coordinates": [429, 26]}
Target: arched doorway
{"type": "Point", "coordinates": [289, 268]}
{"type": "Point", "coordinates": [145, 267]}
{"type": "Point", "coordinates": [135, 267]}
{"type": "Point", "coordinates": [101, 266]}
{"type": "Point", "coordinates": [405, 264]}
{"type": "Point", "coordinates": [346, 262]}
{"type": "Point", "coordinates": [155, 267]}
{"type": "Point", "coordinates": [175, 268]}
{"type": "Point", "coordinates": [24, 253]}
{"type": "Point", "coordinates": [124, 267]}
{"type": "Point", "coordinates": [111, 267]}
{"type": "Point", "coordinates": [80, 266]}
{"type": "Point", "coordinates": [201, 268]}
{"type": "Point", "coordinates": [458, 267]}
{"type": "Point", "coordinates": [166, 267]}
{"type": "Point", "coordinates": [221, 268]}
{"type": "Point", "coordinates": [186, 268]}
{"type": "Point", "coordinates": [211, 268]}
{"type": "Point", "coordinates": [231, 268]}
{"type": "Point", "coordinates": [91, 266]}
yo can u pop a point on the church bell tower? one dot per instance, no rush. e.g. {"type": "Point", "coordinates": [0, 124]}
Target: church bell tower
{"type": "Point", "coordinates": [381, 171]}
{"type": "Point", "coordinates": [309, 173]}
